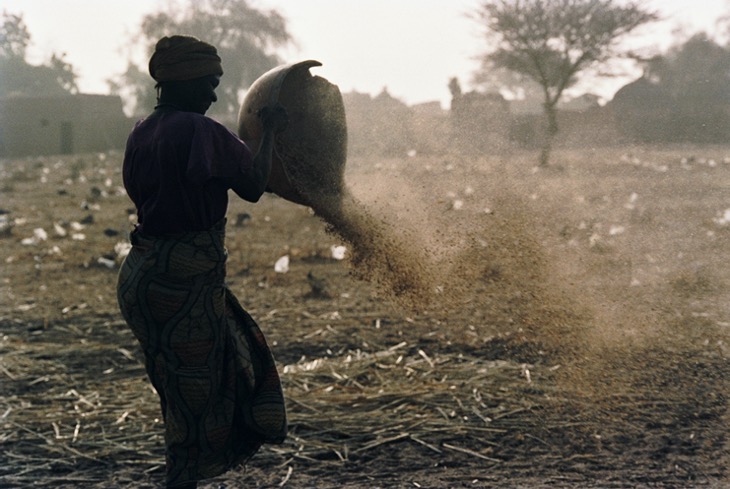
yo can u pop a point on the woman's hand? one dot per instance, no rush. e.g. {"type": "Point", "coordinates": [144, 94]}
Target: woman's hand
{"type": "Point", "coordinates": [273, 118]}
{"type": "Point", "coordinates": [252, 184]}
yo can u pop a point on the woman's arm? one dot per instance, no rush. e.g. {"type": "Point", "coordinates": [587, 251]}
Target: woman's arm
{"type": "Point", "coordinates": [251, 185]}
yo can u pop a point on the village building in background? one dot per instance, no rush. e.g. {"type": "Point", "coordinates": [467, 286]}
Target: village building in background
{"type": "Point", "coordinates": [36, 125]}
{"type": "Point", "coordinates": [644, 111]}
{"type": "Point", "coordinates": [382, 125]}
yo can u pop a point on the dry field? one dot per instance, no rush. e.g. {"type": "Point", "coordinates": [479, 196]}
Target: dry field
{"type": "Point", "coordinates": [506, 327]}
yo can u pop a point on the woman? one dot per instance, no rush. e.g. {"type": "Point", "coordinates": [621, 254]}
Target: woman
{"type": "Point", "coordinates": [219, 390]}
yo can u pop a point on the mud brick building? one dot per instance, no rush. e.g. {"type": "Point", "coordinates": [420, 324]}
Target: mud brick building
{"type": "Point", "coordinates": [61, 124]}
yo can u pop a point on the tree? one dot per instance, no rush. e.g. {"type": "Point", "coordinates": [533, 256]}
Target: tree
{"type": "Point", "coordinates": [245, 37]}
{"type": "Point", "coordinates": [17, 76]}
{"type": "Point", "coordinates": [553, 41]}
{"type": "Point", "coordinates": [14, 37]}
{"type": "Point", "coordinates": [134, 86]}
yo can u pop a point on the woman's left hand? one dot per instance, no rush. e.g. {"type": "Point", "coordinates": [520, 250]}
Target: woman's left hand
{"type": "Point", "coordinates": [274, 118]}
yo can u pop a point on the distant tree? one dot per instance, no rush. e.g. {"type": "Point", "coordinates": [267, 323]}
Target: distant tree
{"type": "Point", "coordinates": [553, 41]}
{"type": "Point", "coordinates": [246, 39]}
{"type": "Point", "coordinates": [510, 84]}
{"type": "Point", "coordinates": [17, 76]}
{"type": "Point", "coordinates": [136, 89]}
{"type": "Point", "coordinates": [14, 36]}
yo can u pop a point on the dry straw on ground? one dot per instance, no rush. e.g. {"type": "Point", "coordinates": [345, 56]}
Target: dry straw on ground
{"type": "Point", "coordinates": [389, 396]}
{"type": "Point", "coordinates": [340, 406]}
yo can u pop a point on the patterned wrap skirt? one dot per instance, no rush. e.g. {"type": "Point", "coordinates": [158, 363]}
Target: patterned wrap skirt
{"type": "Point", "coordinates": [219, 390]}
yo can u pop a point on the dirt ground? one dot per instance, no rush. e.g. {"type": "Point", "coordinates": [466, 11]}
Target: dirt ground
{"type": "Point", "coordinates": [506, 327]}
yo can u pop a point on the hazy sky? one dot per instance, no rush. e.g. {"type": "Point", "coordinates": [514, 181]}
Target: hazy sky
{"type": "Point", "coordinates": [412, 47]}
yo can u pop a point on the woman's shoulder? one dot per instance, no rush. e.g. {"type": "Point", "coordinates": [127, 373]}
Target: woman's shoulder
{"type": "Point", "coordinates": [198, 122]}
{"type": "Point", "coordinates": [185, 126]}
{"type": "Point", "coordinates": [182, 121]}
{"type": "Point", "coordinates": [212, 127]}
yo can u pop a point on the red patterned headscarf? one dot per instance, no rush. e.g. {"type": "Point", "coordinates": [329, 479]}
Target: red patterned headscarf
{"type": "Point", "coordinates": [178, 58]}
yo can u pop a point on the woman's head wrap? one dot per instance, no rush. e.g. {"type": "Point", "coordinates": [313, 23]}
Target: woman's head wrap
{"type": "Point", "coordinates": [178, 58]}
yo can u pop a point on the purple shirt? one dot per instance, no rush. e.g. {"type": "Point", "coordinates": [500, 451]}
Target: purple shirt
{"type": "Point", "coordinates": [177, 169]}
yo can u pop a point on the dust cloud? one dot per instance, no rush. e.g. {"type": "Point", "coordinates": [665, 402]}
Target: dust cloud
{"type": "Point", "coordinates": [461, 237]}
{"type": "Point", "coordinates": [429, 256]}
{"type": "Point", "coordinates": [496, 261]}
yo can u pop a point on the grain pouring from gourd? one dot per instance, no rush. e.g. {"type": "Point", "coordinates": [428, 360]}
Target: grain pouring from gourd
{"type": "Point", "coordinates": [494, 263]}
{"type": "Point", "coordinates": [308, 168]}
